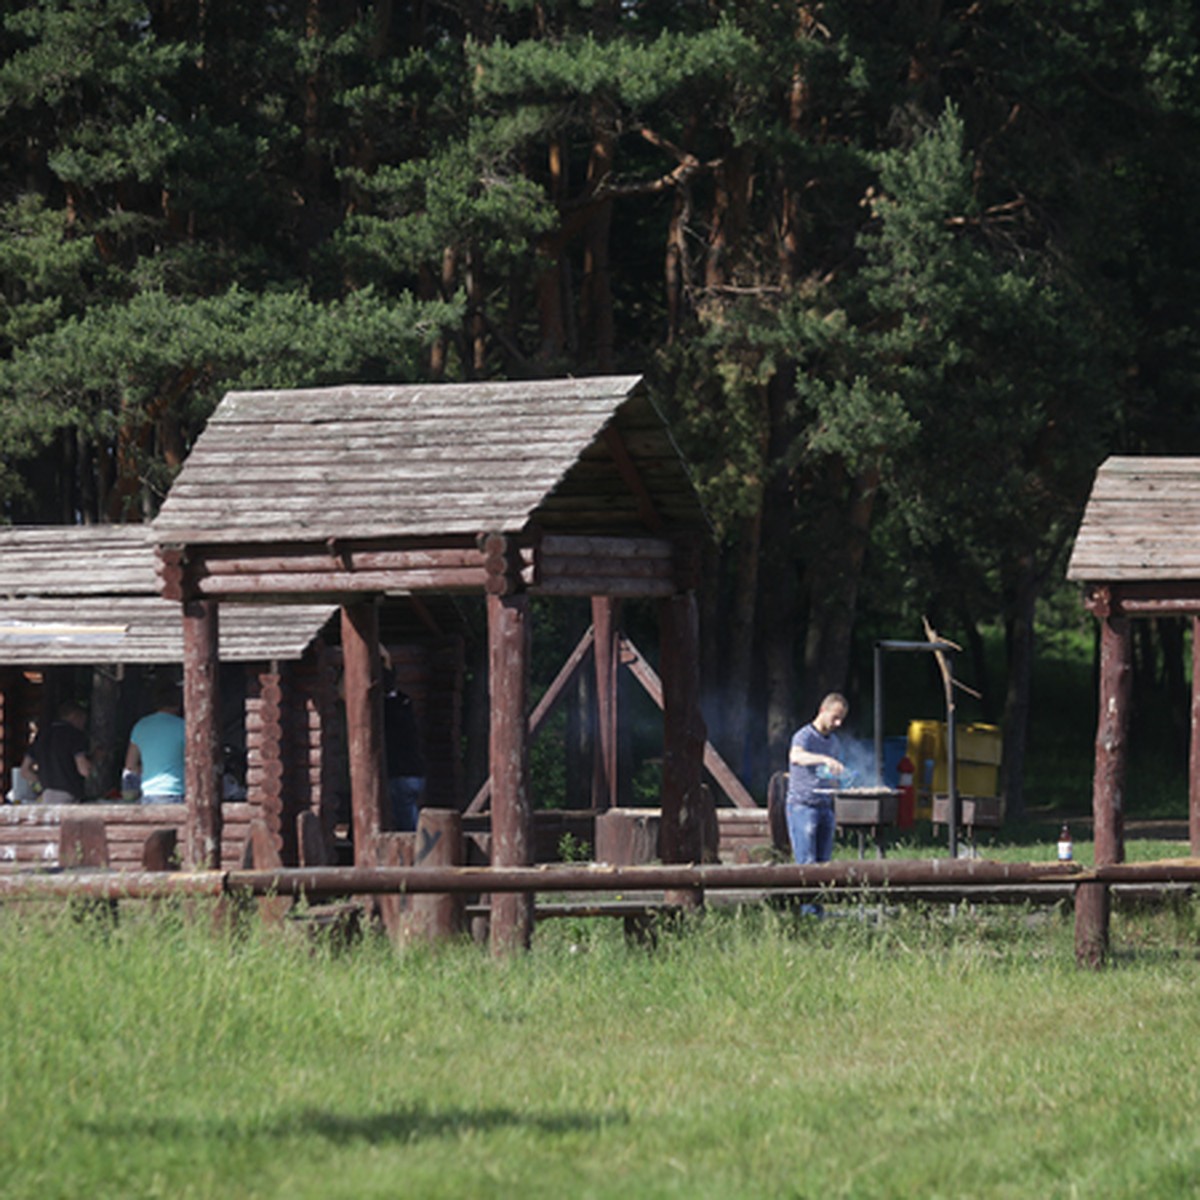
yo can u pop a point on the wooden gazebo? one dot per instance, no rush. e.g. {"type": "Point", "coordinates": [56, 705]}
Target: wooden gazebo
{"type": "Point", "coordinates": [1138, 555]}
{"type": "Point", "coordinates": [349, 494]}
{"type": "Point", "coordinates": [88, 596]}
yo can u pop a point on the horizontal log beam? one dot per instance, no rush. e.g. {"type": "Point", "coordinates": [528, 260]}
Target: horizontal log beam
{"type": "Point", "coordinates": [1167, 597]}
{"type": "Point", "coordinates": [335, 582]}
{"type": "Point", "coordinates": [601, 566]}
{"type": "Point", "coordinates": [340, 558]}
{"type": "Point", "coordinates": [327, 881]}
{"type": "Point", "coordinates": [585, 546]}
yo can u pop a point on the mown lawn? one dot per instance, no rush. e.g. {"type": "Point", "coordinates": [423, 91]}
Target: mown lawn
{"type": "Point", "coordinates": [875, 1054]}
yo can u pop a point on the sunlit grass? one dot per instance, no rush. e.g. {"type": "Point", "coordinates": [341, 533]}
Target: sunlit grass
{"type": "Point", "coordinates": [877, 1053]}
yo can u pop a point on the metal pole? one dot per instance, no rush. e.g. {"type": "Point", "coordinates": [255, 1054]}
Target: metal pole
{"type": "Point", "coordinates": [951, 743]}
{"type": "Point", "coordinates": [952, 769]}
{"type": "Point", "coordinates": [878, 714]}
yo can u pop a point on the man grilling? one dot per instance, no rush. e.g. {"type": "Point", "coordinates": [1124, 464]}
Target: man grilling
{"type": "Point", "coordinates": [814, 759]}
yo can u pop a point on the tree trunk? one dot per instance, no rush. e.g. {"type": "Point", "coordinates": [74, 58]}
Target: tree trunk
{"type": "Point", "coordinates": [736, 721]}
{"type": "Point", "coordinates": [1020, 690]}
{"type": "Point", "coordinates": [596, 307]}
{"type": "Point", "coordinates": [834, 581]}
{"type": "Point", "coordinates": [778, 589]}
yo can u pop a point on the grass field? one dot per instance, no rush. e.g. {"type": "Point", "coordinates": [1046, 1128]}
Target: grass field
{"type": "Point", "coordinates": [879, 1053]}
{"type": "Point", "coordinates": [875, 1055]}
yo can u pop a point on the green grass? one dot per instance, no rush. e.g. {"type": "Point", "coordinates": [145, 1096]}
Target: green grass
{"type": "Point", "coordinates": [914, 1054]}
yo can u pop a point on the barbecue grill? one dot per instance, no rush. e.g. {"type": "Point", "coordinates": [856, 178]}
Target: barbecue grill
{"type": "Point", "coordinates": [864, 809]}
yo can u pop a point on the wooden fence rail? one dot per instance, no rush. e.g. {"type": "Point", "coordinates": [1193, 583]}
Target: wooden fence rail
{"type": "Point", "coordinates": [897, 880]}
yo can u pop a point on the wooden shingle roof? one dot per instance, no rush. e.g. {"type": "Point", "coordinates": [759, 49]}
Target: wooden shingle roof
{"type": "Point", "coordinates": [90, 594]}
{"type": "Point", "coordinates": [1141, 524]}
{"type": "Point", "coordinates": [430, 460]}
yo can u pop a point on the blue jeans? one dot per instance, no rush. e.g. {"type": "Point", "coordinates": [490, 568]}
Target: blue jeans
{"type": "Point", "coordinates": [811, 828]}
{"type": "Point", "coordinates": [404, 798]}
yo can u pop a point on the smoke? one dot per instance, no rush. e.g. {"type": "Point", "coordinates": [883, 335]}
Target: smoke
{"type": "Point", "coordinates": [858, 755]}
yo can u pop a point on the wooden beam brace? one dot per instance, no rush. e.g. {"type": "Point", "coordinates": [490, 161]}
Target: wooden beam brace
{"type": "Point", "coordinates": [714, 764]}
{"type": "Point", "coordinates": [544, 707]}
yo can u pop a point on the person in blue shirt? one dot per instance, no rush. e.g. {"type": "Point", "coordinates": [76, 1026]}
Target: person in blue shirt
{"type": "Point", "coordinates": [814, 761]}
{"type": "Point", "coordinates": [156, 749]}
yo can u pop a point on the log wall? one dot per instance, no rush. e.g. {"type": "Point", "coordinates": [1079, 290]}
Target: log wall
{"type": "Point", "coordinates": [29, 833]}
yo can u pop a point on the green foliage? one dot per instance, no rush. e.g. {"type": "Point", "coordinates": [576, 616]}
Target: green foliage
{"type": "Point", "coordinates": [901, 275]}
{"type": "Point", "coordinates": [106, 372]}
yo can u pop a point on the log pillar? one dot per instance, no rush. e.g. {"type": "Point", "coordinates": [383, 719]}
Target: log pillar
{"type": "Point", "coordinates": [202, 733]}
{"type": "Point", "coordinates": [266, 750]}
{"type": "Point", "coordinates": [1112, 729]}
{"type": "Point", "coordinates": [606, 652]}
{"type": "Point", "coordinates": [362, 680]}
{"type": "Point", "coordinates": [12, 742]}
{"type": "Point", "coordinates": [684, 735]}
{"type": "Point", "coordinates": [512, 832]}
{"type": "Point", "coordinates": [1194, 762]}
{"type": "Point", "coordinates": [1092, 904]}
{"type": "Point", "coordinates": [1091, 924]}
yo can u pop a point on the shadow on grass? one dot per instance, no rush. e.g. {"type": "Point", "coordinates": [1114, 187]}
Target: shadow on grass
{"type": "Point", "coordinates": [406, 1124]}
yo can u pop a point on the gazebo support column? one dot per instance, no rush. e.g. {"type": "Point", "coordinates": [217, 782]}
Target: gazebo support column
{"type": "Point", "coordinates": [1112, 729]}
{"type": "Point", "coordinates": [202, 733]}
{"type": "Point", "coordinates": [362, 680]}
{"type": "Point", "coordinates": [12, 744]}
{"type": "Point", "coordinates": [605, 651]}
{"type": "Point", "coordinates": [682, 831]}
{"type": "Point", "coordinates": [512, 835]}
{"type": "Point", "coordinates": [1108, 785]}
{"type": "Point", "coordinates": [1194, 762]}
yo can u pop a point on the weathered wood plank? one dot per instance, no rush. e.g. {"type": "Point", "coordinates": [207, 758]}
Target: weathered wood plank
{"type": "Point", "coordinates": [602, 567]}
{"type": "Point", "coordinates": [567, 545]}
{"type": "Point", "coordinates": [381, 401]}
{"type": "Point", "coordinates": [1140, 522]}
{"type": "Point", "coordinates": [334, 582]}
{"type": "Point", "coordinates": [422, 460]}
{"type": "Point", "coordinates": [349, 560]}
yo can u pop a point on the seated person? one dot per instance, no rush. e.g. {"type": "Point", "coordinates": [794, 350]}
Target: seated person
{"type": "Point", "coordinates": [58, 759]}
{"type": "Point", "coordinates": [156, 749]}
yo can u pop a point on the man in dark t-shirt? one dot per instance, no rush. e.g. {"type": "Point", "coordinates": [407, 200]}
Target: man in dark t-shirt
{"type": "Point", "coordinates": [58, 758]}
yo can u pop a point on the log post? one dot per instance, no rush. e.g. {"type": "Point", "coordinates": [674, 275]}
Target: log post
{"type": "Point", "coordinates": [266, 749]}
{"type": "Point", "coordinates": [202, 733]}
{"type": "Point", "coordinates": [512, 833]}
{"type": "Point", "coordinates": [1092, 906]}
{"type": "Point", "coordinates": [684, 735]}
{"type": "Point", "coordinates": [606, 652]}
{"type": "Point", "coordinates": [1194, 762]}
{"type": "Point", "coordinates": [437, 916]}
{"type": "Point", "coordinates": [1108, 785]}
{"type": "Point", "coordinates": [362, 680]}
{"type": "Point", "coordinates": [12, 742]}
{"type": "Point", "coordinates": [1112, 728]}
